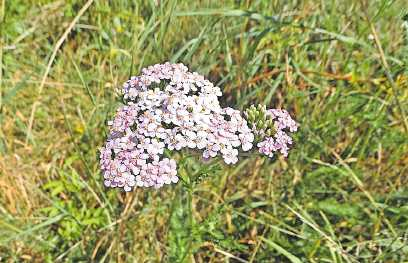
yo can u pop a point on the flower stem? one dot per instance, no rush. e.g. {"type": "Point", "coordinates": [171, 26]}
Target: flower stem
{"type": "Point", "coordinates": [188, 187]}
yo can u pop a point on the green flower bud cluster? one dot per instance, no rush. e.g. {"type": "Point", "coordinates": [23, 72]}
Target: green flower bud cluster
{"type": "Point", "coordinates": [260, 121]}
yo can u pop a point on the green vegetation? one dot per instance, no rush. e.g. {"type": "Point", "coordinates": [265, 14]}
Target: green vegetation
{"type": "Point", "coordinates": [339, 67]}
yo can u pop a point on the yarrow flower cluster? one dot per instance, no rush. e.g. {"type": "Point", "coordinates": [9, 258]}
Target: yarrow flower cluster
{"type": "Point", "coordinates": [271, 126]}
{"type": "Point", "coordinates": [168, 107]}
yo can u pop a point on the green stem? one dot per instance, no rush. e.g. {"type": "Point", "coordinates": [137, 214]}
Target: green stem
{"type": "Point", "coordinates": [187, 185]}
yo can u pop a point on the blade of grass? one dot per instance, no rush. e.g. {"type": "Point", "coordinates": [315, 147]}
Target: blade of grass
{"type": "Point", "coordinates": [81, 77]}
{"type": "Point", "coordinates": [51, 61]}
{"type": "Point", "coordinates": [292, 258]}
{"type": "Point", "coordinates": [229, 13]}
{"type": "Point", "coordinates": [31, 230]}
{"type": "Point", "coordinates": [390, 78]}
{"type": "Point", "coordinates": [334, 244]}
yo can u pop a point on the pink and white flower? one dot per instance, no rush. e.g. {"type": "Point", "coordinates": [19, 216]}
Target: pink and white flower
{"type": "Point", "coordinates": [183, 113]}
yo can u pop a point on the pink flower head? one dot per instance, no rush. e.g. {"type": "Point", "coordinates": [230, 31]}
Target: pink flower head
{"type": "Point", "coordinates": [168, 107]}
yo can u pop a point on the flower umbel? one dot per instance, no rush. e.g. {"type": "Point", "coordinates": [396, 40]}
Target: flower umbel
{"type": "Point", "coordinates": [168, 107]}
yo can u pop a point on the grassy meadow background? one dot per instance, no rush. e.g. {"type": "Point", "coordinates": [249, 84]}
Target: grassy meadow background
{"type": "Point", "coordinates": [339, 67]}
